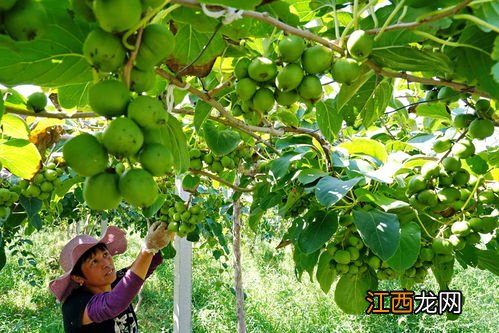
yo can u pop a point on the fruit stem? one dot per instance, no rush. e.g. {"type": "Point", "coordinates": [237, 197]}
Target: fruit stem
{"type": "Point", "coordinates": [475, 188]}
{"type": "Point", "coordinates": [127, 70]}
{"type": "Point", "coordinates": [146, 19]}
{"type": "Point", "coordinates": [356, 13]}
{"type": "Point", "coordinates": [349, 25]}
{"type": "Point", "coordinates": [422, 224]}
{"type": "Point", "coordinates": [389, 19]}
{"type": "Point", "coordinates": [477, 21]}
{"type": "Point", "coordinates": [446, 42]}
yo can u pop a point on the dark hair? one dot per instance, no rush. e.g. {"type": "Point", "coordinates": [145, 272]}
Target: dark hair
{"type": "Point", "coordinates": [85, 256]}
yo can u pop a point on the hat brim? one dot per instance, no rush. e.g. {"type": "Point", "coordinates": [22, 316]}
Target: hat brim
{"type": "Point", "coordinates": [116, 243]}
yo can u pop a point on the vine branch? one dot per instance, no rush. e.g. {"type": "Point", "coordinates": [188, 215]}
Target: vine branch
{"type": "Point", "coordinates": [412, 78]}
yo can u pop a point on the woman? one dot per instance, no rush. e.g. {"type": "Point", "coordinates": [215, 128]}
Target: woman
{"type": "Point", "coordinates": [96, 298]}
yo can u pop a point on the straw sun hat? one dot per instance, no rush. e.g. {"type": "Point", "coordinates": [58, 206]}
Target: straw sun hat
{"type": "Point", "coordinates": [115, 241]}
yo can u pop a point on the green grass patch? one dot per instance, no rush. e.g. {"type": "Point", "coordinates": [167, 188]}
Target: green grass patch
{"type": "Point", "coordinates": [275, 300]}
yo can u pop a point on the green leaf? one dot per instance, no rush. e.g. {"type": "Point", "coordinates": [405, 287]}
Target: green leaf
{"type": "Point", "coordinates": [325, 275]}
{"type": "Point", "coordinates": [366, 147]}
{"type": "Point", "coordinates": [406, 58]}
{"type": "Point", "coordinates": [477, 164]}
{"type": "Point", "coordinates": [321, 227]}
{"type": "Point", "coordinates": [32, 207]}
{"type": "Point", "coordinates": [14, 126]}
{"type": "Point", "coordinates": [304, 262]}
{"type": "Point", "coordinates": [287, 117]}
{"type": "Point", "coordinates": [307, 176]}
{"type": "Point", "coordinates": [201, 113]}
{"type": "Point", "coordinates": [21, 157]}
{"type": "Point", "coordinates": [220, 139]}
{"type": "Point", "coordinates": [189, 44]}
{"type": "Point", "coordinates": [348, 91]}
{"type": "Point", "coordinates": [379, 199]}
{"type": "Point", "coordinates": [408, 251]}
{"type": "Point", "coordinates": [241, 4]}
{"type": "Point", "coordinates": [433, 111]}
{"type": "Point", "coordinates": [293, 141]}
{"type": "Point", "coordinates": [196, 18]}
{"type": "Point", "coordinates": [52, 60]}
{"type": "Point", "coordinates": [281, 10]}
{"type": "Point", "coordinates": [488, 11]}
{"type": "Point", "coordinates": [3, 258]}
{"type": "Point", "coordinates": [475, 66]}
{"type": "Point", "coordinates": [380, 231]}
{"type": "Point", "coordinates": [178, 144]}
{"type": "Point", "coordinates": [330, 190]}
{"type": "Point", "coordinates": [495, 50]}
{"type": "Point", "coordinates": [351, 291]}
{"type": "Point", "coordinates": [155, 207]}
{"type": "Point", "coordinates": [329, 118]}
{"type": "Point", "coordinates": [74, 96]}
{"type": "Point", "coordinates": [368, 103]}
{"type": "Point", "coordinates": [495, 72]}
{"type": "Point", "coordinates": [443, 270]}
{"type": "Point", "coordinates": [488, 260]}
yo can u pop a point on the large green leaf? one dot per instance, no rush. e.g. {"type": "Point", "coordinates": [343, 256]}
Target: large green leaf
{"type": "Point", "coordinates": [307, 176]}
{"type": "Point", "coordinates": [178, 144]}
{"type": "Point", "coordinates": [32, 207]}
{"type": "Point", "coordinates": [220, 139]}
{"type": "Point", "coordinates": [74, 96]}
{"type": "Point", "coordinates": [14, 126]}
{"type": "Point", "coordinates": [3, 258]}
{"type": "Point", "coordinates": [366, 147]}
{"type": "Point", "coordinates": [433, 111]}
{"type": "Point", "coordinates": [377, 198]}
{"type": "Point", "coordinates": [189, 44]}
{"type": "Point", "coordinates": [201, 113]}
{"type": "Point", "coordinates": [380, 231]}
{"type": "Point", "coordinates": [443, 270]}
{"type": "Point", "coordinates": [368, 102]}
{"type": "Point", "coordinates": [330, 190]}
{"type": "Point", "coordinates": [329, 119]}
{"type": "Point", "coordinates": [406, 58]}
{"type": "Point", "coordinates": [52, 60]}
{"type": "Point", "coordinates": [325, 274]}
{"type": "Point", "coordinates": [488, 11]}
{"type": "Point", "coordinates": [321, 226]}
{"type": "Point", "coordinates": [304, 262]}
{"type": "Point", "coordinates": [196, 18]}
{"type": "Point", "coordinates": [21, 157]}
{"type": "Point", "coordinates": [488, 260]}
{"type": "Point", "coordinates": [351, 291]}
{"type": "Point", "coordinates": [473, 65]}
{"type": "Point", "coordinates": [408, 250]}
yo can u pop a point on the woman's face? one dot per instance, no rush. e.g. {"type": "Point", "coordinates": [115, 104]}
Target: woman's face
{"type": "Point", "coordinates": [99, 271]}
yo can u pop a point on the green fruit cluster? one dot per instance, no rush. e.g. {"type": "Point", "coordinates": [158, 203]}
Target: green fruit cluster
{"type": "Point", "coordinates": [201, 159]}
{"type": "Point", "coordinates": [43, 184]}
{"type": "Point", "coordinates": [8, 197]}
{"type": "Point", "coordinates": [24, 20]}
{"type": "Point", "coordinates": [477, 125]}
{"type": "Point", "coordinates": [104, 47]}
{"type": "Point", "coordinates": [181, 218]}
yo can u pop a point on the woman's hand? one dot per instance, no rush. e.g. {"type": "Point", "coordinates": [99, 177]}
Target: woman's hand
{"type": "Point", "coordinates": [158, 237]}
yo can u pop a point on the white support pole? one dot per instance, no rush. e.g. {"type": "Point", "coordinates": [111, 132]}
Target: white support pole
{"type": "Point", "coordinates": [182, 288]}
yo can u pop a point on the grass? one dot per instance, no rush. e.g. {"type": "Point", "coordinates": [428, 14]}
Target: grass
{"type": "Point", "coordinates": [275, 302]}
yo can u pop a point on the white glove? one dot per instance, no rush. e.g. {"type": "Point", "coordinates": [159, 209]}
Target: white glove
{"type": "Point", "coordinates": [158, 237]}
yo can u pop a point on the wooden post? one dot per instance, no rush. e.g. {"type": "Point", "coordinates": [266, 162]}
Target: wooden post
{"type": "Point", "coordinates": [182, 288]}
